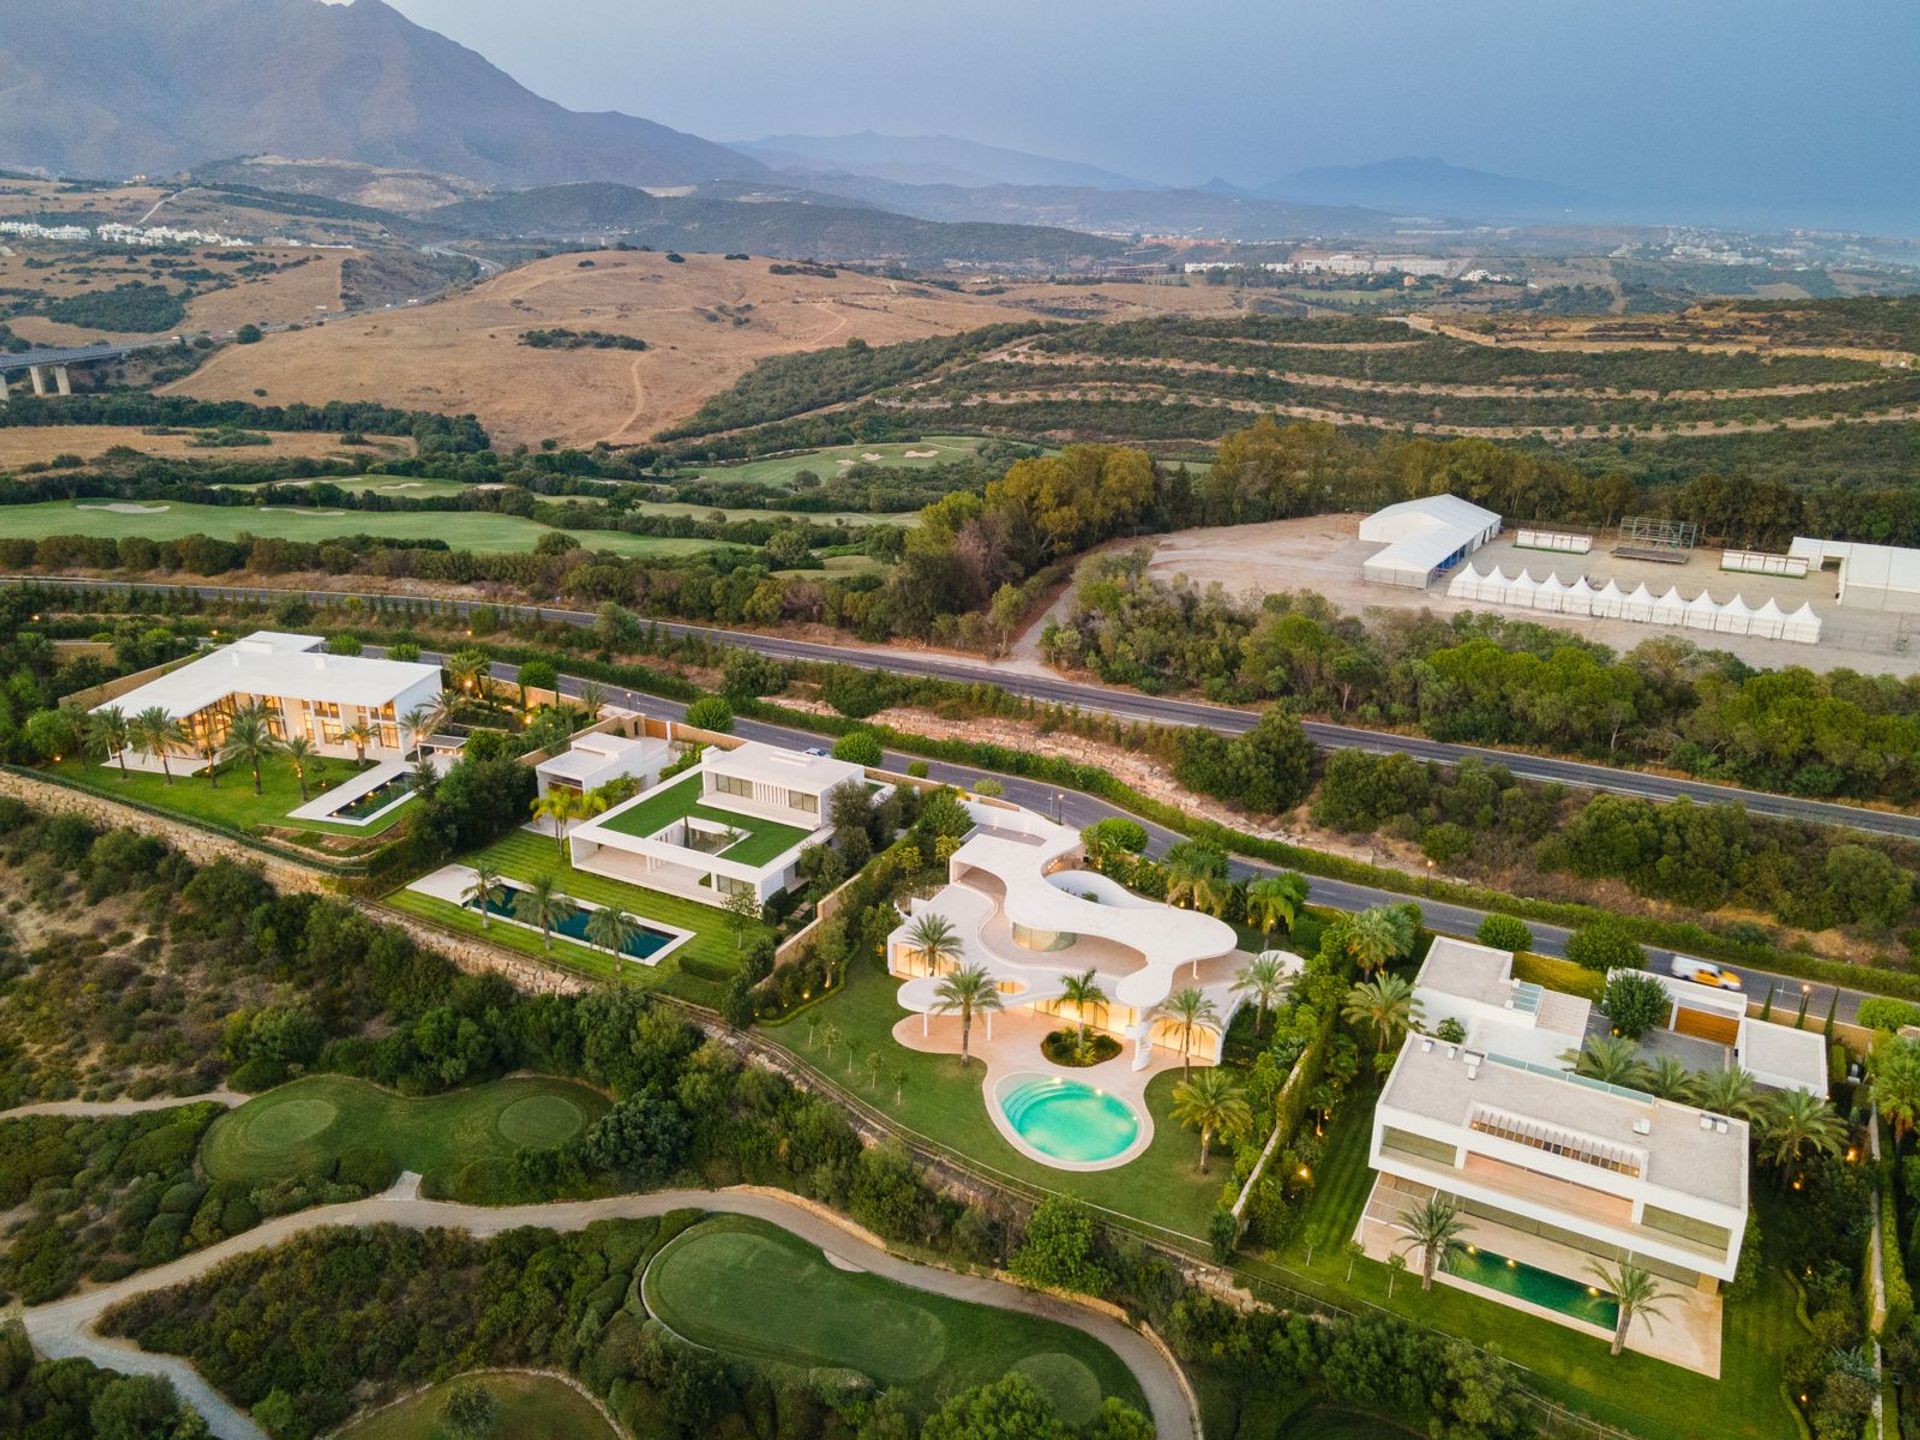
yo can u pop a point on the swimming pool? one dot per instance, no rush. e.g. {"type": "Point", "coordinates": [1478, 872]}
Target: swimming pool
{"type": "Point", "coordinates": [1537, 1286]}
{"type": "Point", "coordinates": [647, 943]}
{"type": "Point", "coordinates": [1067, 1120]}
{"type": "Point", "coordinates": [387, 792]}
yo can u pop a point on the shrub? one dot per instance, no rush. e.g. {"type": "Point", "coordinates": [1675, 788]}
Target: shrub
{"type": "Point", "coordinates": [1884, 1014]}
{"type": "Point", "coordinates": [1605, 945]}
{"type": "Point", "coordinates": [1504, 932]}
{"type": "Point", "coordinates": [248, 334]}
{"type": "Point", "coordinates": [856, 747]}
{"type": "Point", "coordinates": [1635, 1004]}
{"type": "Point", "coordinates": [1058, 1249]}
{"type": "Point", "coordinates": [710, 712]}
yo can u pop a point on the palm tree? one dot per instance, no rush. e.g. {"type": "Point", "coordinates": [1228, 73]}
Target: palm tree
{"type": "Point", "coordinates": [300, 754]}
{"type": "Point", "coordinates": [1371, 939]}
{"type": "Point", "coordinates": [1635, 1292]}
{"type": "Point", "coordinates": [1730, 1092]}
{"type": "Point", "coordinates": [361, 734]}
{"type": "Point", "coordinates": [1083, 992]}
{"type": "Point", "coordinates": [593, 699]}
{"type": "Point", "coordinates": [1275, 900]}
{"type": "Point", "coordinates": [542, 905]}
{"type": "Point", "coordinates": [156, 734]}
{"type": "Point", "coordinates": [612, 929]}
{"type": "Point", "coordinates": [485, 891]}
{"type": "Point", "coordinates": [1895, 1075]}
{"type": "Point", "coordinates": [1212, 1104]}
{"type": "Point", "coordinates": [1386, 1005]}
{"type": "Point", "coordinates": [830, 1037]}
{"type": "Point", "coordinates": [1614, 1059]}
{"type": "Point", "coordinates": [560, 804]}
{"type": "Point", "coordinates": [1189, 1009]}
{"type": "Point", "coordinates": [1795, 1121]}
{"type": "Point", "coordinates": [1265, 980]}
{"type": "Point", "coordinates": [106, 734]}
{"type": "Point", "coordinates": [967, 990]}
{"type": "Point", "coordinates": [206, 744]}
{"type": "Point", "coordinates": [419, 722]}
{"type": "Point", "coordinates": [1197, 875]}
{"type": "Point", "coordinates": [465, 668]}
{"type": "Point", "coordinates": [250, 739]}
{"type": "Point", "coordinates": [937, 940]}
{"type": "Point", "coordinates": [1667, 1078]}
{"type": "Point", "coordinates": [1435, 1230]}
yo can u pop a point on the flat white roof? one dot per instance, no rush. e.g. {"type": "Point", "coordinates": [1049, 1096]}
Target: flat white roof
{"type": "Point", "coordinates": [1783, 1056]}
{"type": "Point", "coordinates": [1420, 534]}
{"type": "Point", "coordinates": [591, 754]}
{"type": "Point", "coordinates": [1874, 567]}
{"type": "Point", "coordinates": [770, 765]}
{"type": "Point", "coordinates": [1468, 970]}
{"type": "Point", "coordinates": [271, 662]}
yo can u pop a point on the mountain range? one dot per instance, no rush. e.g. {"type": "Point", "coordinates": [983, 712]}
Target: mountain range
{"type": "Point", "coordinates": [928, 160]}
{"type": "Point", "coordinates": [1428, 186]}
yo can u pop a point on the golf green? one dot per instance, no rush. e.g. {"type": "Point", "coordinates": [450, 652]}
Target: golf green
{"type": "Point", "coordinates": [744, 1287]}
{"type": "Point", "coordinates": [303, 1127]}
{"type": "Point", "coordinates": [532, 1407]}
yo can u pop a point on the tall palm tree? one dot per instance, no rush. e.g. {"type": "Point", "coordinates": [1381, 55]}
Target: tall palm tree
{"type": "Point", "coordinates": [465, 668]}
{"type": "Point", "coordinates": [1211, 1103]}
{"type": "Point", "coordinates": [560, 804]}
{"type": "Point", "coordinates": [1189, 1009]}
{"type": "Point", "coordinates": [1386, 1005]}
{"type": "Point", "coordinates": [156, 734]}
{"type": "Point", "coordinates": [206, 744]}
{"type": "Point", "coordinates": [419, 722]}
{"type": "Point", "coordinates": [250, 739]}
{"type": "Point", "coordinates": [968, 991]}
{"type": "Point", "coordinates": [300, 754]}
{"type": "Point", "coordinates": [1614, 1059]}
{"type": "Point", "coordinates": [361, 734]}
{"type": "Point", "coordinates": [1894, 1073]}
{"type": "Point", "coordinates": [1197, 875]}
{"type": "Point", "coordinates": [935, 937]}
{"type": "Point", "coordinates": [485, 892]}
{"type": "Point", "coordinates": [1264, 980]}
{"type": "Point", "coordinates": [1435, 1230]}
{"type": "Point", "coordinates": [541, 904]}
{"type": "Point", "coordinates": [1083, 992]}
{"type": "Point", "coordinates": [1794, 1122]}
{"type": "Point", "coordinates": [106, 735]}
{"type": "Point", "coordinates": [1730, 1092]}
{"type": "Point", "coordinates": [1276, 900]}
{"type": "Point", "coordinates": [1667, 1078]}
{"type": "Point", "coordinates": [612, 929]}
{"type": "Point", "coordinates": [1371, 940]}
{"type": "Point", "coordinates": [1636, 1293]}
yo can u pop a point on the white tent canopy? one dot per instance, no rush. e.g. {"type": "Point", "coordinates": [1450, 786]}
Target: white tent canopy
{"type": "Point", "coordinates": [1638, 605]}
{"type": "Point", "coordinates": [1551, 595]}
{"type": "Point", "coordinates": [1522, 591]}
{"type": "Point", "coordinates": [1579, 598]}
{"type": "Point", "coordinates": [1702, 612]}
{"type": "Point", "coordinates": [1802, 625]}
{"type": "Point", "coordinates": [1670, 608]}
{"type": "Point", "coordinates": [1734, 618]}
{"type": "Point", "coordinates": [1769, 621]}
{"type": "Point", "coordinates": [1608, 601]}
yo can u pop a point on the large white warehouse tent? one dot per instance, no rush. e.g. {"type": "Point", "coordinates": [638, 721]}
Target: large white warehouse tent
{"type": "Point", "coordinates": [1872, 577]}
{"type": "Point", "coordinates": [1424, 538]}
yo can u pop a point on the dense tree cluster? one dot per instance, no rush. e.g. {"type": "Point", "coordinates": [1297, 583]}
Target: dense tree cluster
{"type": "Point", "coordinates": [76, 1400]}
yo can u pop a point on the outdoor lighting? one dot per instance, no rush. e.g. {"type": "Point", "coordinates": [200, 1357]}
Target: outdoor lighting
{"type": "Point", "coordinates": [1305, 1173]}
{"type": "Point", "coordinates": [1593, 1290]}
{"type": "Point", "coordinates": [1512, 1264]}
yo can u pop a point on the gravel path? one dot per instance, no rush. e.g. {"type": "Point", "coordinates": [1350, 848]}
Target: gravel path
{"type": "Point", "coordinates": [228, 1098]}
{"type": "Point", "coordinates": [65, 1327]}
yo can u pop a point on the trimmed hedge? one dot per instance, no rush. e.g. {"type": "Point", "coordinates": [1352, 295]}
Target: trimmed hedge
{"type": "Point", "coordinates": [1893, 1268]}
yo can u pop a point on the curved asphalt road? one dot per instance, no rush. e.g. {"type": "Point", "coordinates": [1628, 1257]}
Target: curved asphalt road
{"type": "Point", "coordinates": [65, 1327]}
{"type": "Point", "coordinates": [1131, 705]}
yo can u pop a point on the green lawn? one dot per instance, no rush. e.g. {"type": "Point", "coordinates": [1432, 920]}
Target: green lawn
{"type": "Point", "coordinates": [698, 970]}
{"type": "Point", "coordinates": [170, 520]}
{"type": "Point", "coordinates": [1647, 1397]}
{"type": "Point", "coordinates": [761, 840]}
{"type": "Point", "coordinates": [940, 1100]}
{"type": "Point", "coordinates": [302, 1128]}
{"type": "Point", "coordinates": [781, 469]}
{"type": "Point", "coordinates": [400, 487]}
{"type": "Point", "coordinates": [532, 1407]}
{"type": "Point", "coordinates": [231, 801]}
{"type": "Point", "coordinates": [741, 1286]}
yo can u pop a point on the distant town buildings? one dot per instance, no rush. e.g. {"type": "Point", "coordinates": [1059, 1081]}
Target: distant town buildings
{"type": "Point", "coordinates": [114, 233]}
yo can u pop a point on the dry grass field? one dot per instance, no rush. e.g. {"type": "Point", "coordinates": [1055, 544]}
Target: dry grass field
{"type": "Point", "coordinates": [25, 445]}
{"type": "Point", "coordinates": [706, 321]}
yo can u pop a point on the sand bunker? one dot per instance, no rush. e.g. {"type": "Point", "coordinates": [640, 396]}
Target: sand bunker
{"type": "Point", "coordinates": [299, 510]}
{"type": "Point", "coordinates": [921, 454]}
{"type": "Point", "coordinates": [873, 455]}
{"type": "Point", "coordinates": [127, 507]}
{"type": "Point", "coordinates": [399, 485]}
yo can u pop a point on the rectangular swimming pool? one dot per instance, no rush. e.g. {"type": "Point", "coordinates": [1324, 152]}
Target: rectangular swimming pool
{"type": "Point", "coordinates": [647, 943]}
{"type": "Point", "coordinates": [387, 792]}
{"type": "Point", "coordinates": [1537, 1286]}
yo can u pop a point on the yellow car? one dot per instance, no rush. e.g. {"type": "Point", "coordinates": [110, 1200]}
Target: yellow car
{"type": "Point", "coordinates": [1705, 972]}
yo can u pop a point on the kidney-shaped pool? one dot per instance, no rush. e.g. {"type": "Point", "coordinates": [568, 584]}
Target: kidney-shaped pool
{"type": "Point", "coordinates": [1068, 1122]}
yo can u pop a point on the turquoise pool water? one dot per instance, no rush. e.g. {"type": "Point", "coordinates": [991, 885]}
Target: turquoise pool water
{"type": "Point", "coordinates": [376, 799]}
{"type": "Point", "coordinates": [1067, 1119]}
{"type": "Point", "coordinates": [1540, 1287]}
{"type": "Point", "coordinates": [644, 945]}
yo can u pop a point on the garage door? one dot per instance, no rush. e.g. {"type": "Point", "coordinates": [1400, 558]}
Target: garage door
{"type": "Point", "coordinates": [1720, 1029]}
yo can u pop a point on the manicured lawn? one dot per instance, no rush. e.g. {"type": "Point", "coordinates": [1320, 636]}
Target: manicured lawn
{"type": "Point", "coordinates": [827, 463]}
{"type": "Point", "coordinates": [170, 520]}
{"type": "Point", "coordinates": [740, 1286]}
{"type": "Point", "coordinates": [1322, 1423]}
{"type": "Point", "coordinates": [302, 1128]}
{"type": "Point", "coordinates": [942, 1101]}
{"type": "Point", "coordinates": [1558, 974]}
{"type": "Point", "coordinates": [532, 1407]}
{"type": "Point", "coordinates": [698, 970]}
{"type": "Point", "coordinates": [231, 802]}
{"type": "Point", "coordinates": [1645, 1396]}
{"type": "Point", "coordinates": [761, 840]}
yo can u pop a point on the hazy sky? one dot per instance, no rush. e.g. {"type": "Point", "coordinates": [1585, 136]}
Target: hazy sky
{"type": "Point", "coordinates": [1723, 103]}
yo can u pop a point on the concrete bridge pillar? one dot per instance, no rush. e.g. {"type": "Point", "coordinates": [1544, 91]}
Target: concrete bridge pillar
{"type": "Point", "coordinates": [61, 385]}
{"type": "Point", "coordinates": [38, 374]}
{"type": "Point", "coordinates": [4, 394]}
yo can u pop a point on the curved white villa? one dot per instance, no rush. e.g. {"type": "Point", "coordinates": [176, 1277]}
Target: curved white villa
{"type": "Point", "coordinates": [1028, 915]}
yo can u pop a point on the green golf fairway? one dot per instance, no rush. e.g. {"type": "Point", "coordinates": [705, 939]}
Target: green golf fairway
{"type": "Point", "coordinates": [303, 1127]}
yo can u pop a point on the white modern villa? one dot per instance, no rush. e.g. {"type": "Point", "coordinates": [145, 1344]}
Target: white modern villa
{"type": "Point", "coordinates": [1026, 913]}
{"type": "Point", "coordinates": [735, 823]}
{"type": "Point", "coordinates": [591, 760]}
{"type": "Point", "coordinates": [1552, 1171]}
{"type": "Point", "coordinates": [306, 691]}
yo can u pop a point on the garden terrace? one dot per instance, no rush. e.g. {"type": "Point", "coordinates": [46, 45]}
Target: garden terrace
{"type": "Point", "coordinates": [760, 840]}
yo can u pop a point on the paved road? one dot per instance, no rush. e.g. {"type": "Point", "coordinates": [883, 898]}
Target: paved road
{"type": "Point", "coordinates": [1074, 807]}
{"type": "Point", "coordinates": [65, 1327]}
{"type": "Point", "coordinates": [1131, 705]}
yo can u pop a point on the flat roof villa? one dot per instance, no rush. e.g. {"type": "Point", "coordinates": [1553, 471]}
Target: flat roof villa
{"type": "Point", "coordinates": [590, 761]}
{"type": "Point", "coordinates": [1552, 1171]}
{"type": "Point", "coordinates": [737, 822]}
{"type": "Point", "coordinates": [1026, 913]}
{"type": "Point", "coordinates": [306, 691]}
